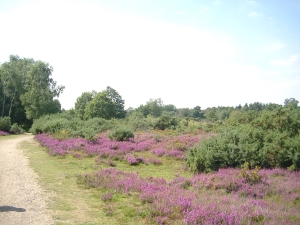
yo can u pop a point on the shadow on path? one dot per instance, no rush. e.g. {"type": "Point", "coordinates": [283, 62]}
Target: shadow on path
{"type": "Point", "coordinates": [7, 208]}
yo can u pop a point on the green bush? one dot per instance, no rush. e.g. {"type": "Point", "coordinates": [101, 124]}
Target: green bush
{"type": "Point", "coordinates": [16, 129]}
{"type": "Point", "coordinates": [64, 126]}
{"type": "Point", "coordinates": [98, 124]}
{"type": "Point", "coordinates": [5, 123]}
{"type": "Point", "coordinates": [235, 146]}
{"type": "Point", "coordinates": [166, 122]}
{"type": "Point", "coordinates": [121, 134]}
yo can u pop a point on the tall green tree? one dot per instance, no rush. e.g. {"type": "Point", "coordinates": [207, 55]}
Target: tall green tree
{"type": "Point", "coordinates": [82, 101]}
{"type": "Point", "coordinates": [40, 91]}
{"type": "Point", "coordinates": [153, 107]}
{"type": "Point", "coordinates": [116, 98]}
{"type": "Point", "coordinates": [107, 104]}
{"type": "Point", "coordinates": [12, 76]}
{"type": "Point", "coordinates": [101, 106]}
{"type": "Point", "coordinates": [291, 102]}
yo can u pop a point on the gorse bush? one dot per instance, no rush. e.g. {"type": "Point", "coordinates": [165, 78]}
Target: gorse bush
{"type": "Point", "coordinates": [5, 123]}
{"type": "Point", "coordinates": [166, 122]}
{"type": "Point", "coordinates": [65, 126]}
{"type": "Point", "coordinates": [266, 139]}
{"type": "Point", "coordinates": [121, 134]}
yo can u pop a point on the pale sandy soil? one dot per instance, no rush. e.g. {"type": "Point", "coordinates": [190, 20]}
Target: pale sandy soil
{"type": "Point", "coordinates": [22, 201]}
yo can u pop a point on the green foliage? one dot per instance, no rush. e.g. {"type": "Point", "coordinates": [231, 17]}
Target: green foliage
{"type": "Point", "coordinates": [64, 125]}
{"type": "Point", "coordinates": [121, 134]}
{"type": "Point", "coordinates": [118, 102]}
{"type": "Point", "coordinates": [5, 123]}
{"type": "Point", "coordinates": [137, 121]}
{"type": "Point", "coordinates": [12, 86]}
{"type": "Point", "coordinates": [154, 107]}
{"type": "Point", "coordinates": [82, 101]}
{"type": "Point", "coordinates": [265, 138]}
{"type": "Point", "coordinates": [166, 122]}
{"type": "Point", "coordinates": [252, 177]}
{"type": "Point", "coordinates": [40, 89]}
{"type": "Point", "coordinates": [16, 129]}
{"type": "Point", "coordinates": [100, 106]}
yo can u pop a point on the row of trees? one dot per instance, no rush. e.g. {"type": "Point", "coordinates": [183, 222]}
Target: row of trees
{"type": "Point", "coordinates": [27, 90]}
{"type": "Point", "coordinates": [109, 104]}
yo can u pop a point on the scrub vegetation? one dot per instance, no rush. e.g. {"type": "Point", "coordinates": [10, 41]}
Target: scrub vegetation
{"type": "Point", "coordinates": [158, 164]}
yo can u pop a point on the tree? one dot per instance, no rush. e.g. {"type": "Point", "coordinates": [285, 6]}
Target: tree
{"type": "Point", "coordinates": [169, 110]}
{"type": "Point", "coordinates": [82, 101]}
{"type": "Point", "coordinates": [40, 89]}
{"type": "Point", "coordinates": [114, 96]}
{"type": "Point", "coordinates": [101, 106]}
{"type": "Point", "coordinates": [196, 112]}
{"type": "Point", "coordinates": [153, 107]}
{"type": "Point", "coordinates": [184, 112]}
{"type": "Point", "coordinates": [211, 114]}
{"type": "Point", "coordinates": [106, 104]}
{"type": "Point", "coordinates": [291, 102]}
{"type": "Point", "coordinates": [12, 75]}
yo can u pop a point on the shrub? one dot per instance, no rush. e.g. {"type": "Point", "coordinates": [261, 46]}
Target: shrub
{"type": "Point", "coordinates": [121, 134]}
{"type": "Point", "coordinates": [245, 143]}
{"type": "Point", "coordinates": [16, 129]}
{"type": "Point", "coordinates": [166, 122]}
{"type": "Point", "coordinates": [5, 123]}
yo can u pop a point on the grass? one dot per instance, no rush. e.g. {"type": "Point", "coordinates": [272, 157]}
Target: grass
{"type": "Point", "coordinates": [69, 203]}
{"type": "Point", "coordinates": [73, 204]}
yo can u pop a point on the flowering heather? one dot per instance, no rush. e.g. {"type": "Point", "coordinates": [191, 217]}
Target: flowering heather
{"type": "Point", "coordinates": [3, 133]}
{"type": "Point", "coordinates": [106, 148]}
{"type": "Point", "coordinates": [222, 202]}
{"type": "Point", "coordinates": [158, 152]}
{"type": "Point", "coordinates": [134, 160]}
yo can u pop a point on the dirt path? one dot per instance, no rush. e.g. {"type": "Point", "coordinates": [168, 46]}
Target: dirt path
{"type": "Point", "coordinates": [22, 201]}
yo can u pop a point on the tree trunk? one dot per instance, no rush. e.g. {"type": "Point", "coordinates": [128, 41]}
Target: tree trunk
{"type": "Point", "coordinates": [13, 97]}
{"type": "Point", "coordinates": [3, 104]}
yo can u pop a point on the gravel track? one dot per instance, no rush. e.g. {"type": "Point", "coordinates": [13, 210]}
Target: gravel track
{"type": "Point", "coordinates": [22, 201]}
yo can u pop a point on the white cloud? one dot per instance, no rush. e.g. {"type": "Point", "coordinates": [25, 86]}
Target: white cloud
{"type": "Point", "coordinates": [254, 14]}
{"type": "Point", "coordinates": [285, 62]}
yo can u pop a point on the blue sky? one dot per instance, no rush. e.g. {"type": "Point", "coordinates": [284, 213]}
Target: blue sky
{"type": "Point", "coordinates": [188, 53]}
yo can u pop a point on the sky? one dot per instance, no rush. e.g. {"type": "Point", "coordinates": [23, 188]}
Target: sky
{"type": "Point", "coordinates": [188, 53]}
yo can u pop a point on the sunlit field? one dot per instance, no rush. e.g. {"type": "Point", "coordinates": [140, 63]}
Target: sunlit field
{"type": "Point", "coordinates": [145, 180]}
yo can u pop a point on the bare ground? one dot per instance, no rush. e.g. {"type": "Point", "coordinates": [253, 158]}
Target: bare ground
{"type": "Point", "coordinates": [22, 201]}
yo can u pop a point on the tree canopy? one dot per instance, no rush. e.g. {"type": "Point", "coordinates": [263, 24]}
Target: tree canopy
{"type": "Point", "coordinates": [27, 89]}
{"type": "Point", "coordinates": [107, 104]}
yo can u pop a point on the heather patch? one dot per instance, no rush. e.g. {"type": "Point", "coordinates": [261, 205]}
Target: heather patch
{"type": "Point", "coordinates": [224, 197]}
{"type": "Point", "coordinates": [155, 195]}
{"type": "Point", "coordinates": [3, 133]}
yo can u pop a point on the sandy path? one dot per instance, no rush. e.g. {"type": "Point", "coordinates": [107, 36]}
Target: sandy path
{"type": "Point", "coordinates": [22, 201]}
